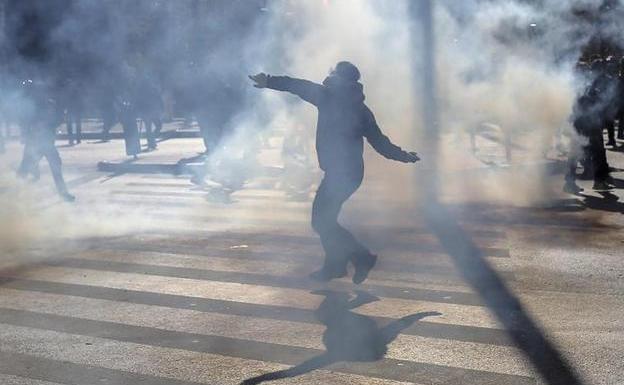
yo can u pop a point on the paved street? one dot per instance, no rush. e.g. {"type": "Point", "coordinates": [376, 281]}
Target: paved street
{"type": "Point", "coordinates": [149, 279]}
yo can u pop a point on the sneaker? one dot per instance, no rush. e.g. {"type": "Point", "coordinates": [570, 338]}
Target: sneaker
{"type": "Point", "coordinates": [326, 274]}
{"type": "Point", "coordinates": [572, 188]}
{"type": "Point", "coordinates": [602, 186]}
{"type": "Point", "coordinates": [363, 265]}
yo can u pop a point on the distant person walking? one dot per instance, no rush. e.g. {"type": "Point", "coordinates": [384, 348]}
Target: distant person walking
{"type": "Point", "coordinates": [592, 109]}
{"type": "Point", "coordinates": [343, 121]}
{"type": "Point", "coordinates": [40, 133]}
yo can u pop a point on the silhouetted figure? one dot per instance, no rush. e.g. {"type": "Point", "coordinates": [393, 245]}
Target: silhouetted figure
{"type": "Point", "coordinates": [343, 122]}
{"type": "Point", "coordinates": [593, 108]}
{"type": "Point", "coordinates": [128, 119]}
{"type": "Point", "coordinates": [125, 101]}
{"type": "Point", "coordinates": [73, 96]}
{"type": "Point", "coordinates": [349, 336]}
{"type": "Point", "coordinates": [40, 125]}
{"type": "Point", "coordinates": [620, 101]}
{"type": "Point", "coordinates": [149, 107]}
{"type": "Point", "coordinates": [607, 82]}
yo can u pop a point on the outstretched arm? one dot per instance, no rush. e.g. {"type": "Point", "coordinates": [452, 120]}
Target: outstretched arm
{"type": "Point", "coordinates": [382, 144]}
{"type": "Point", "coordinates": [305, 89]}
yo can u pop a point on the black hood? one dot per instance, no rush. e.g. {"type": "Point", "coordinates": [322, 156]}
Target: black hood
{"type": "Point", "coordinates": [345, 89]}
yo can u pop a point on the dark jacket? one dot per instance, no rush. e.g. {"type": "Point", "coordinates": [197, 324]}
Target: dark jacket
{"type": "Point", "coordinates": [343, 121]}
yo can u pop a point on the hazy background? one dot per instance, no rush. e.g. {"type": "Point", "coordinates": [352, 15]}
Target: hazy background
{"type": "Point", "coordinates": [509, 64]}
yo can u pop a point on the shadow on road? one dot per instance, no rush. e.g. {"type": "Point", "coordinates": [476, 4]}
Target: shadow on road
{"type": "Point", "coordinates": [349, 337]}
{"type": "Point", "coordinates": [609, 202]}
{"type": "Point", "coordinates": [523, 330]}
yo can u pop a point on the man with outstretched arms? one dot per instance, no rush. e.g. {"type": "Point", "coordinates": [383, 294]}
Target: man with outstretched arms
{"type": "Point", "coordinates": [343, 122]}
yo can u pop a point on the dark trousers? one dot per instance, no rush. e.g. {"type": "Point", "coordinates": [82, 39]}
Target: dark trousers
{"type": "Point", "coordinates": [131, 134]}
{"type": "Point", "coordinates": [74, 120]}
{"type": "Point", "coordinates": [610, 124]}
{"type": "Point", "coordinates": [597, 155]}
{"type": "Point", "coordinates": [150, 134]}
{"type": "Point", "coordinates": [339, 244]}
{"type": "Point", "coordinates": [34, 150]}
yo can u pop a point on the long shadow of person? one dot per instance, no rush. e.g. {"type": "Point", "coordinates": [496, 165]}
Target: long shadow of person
{"type": "Point", "coordinates": [349, 337]}
{"type": "Point", "coordinates": [609, 202]}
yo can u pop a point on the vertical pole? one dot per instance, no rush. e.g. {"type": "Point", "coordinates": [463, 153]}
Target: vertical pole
{"type": "Point", "coordinates": [429, 83]}
{"type": "Point", "coordinates": [424, 62]}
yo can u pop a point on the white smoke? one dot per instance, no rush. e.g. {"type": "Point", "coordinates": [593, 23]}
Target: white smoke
{"type": "Point", "coordinates": [503, 64]}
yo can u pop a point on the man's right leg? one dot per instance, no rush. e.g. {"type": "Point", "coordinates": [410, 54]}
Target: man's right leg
{"type": "Point", "coordinates": [325, 210]}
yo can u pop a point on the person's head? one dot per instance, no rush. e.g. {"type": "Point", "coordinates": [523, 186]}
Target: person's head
{"type": "Point", "coordinates": [346, 71]}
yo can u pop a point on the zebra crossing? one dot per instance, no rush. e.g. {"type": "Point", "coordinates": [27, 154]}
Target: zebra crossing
{"type": "Point", "coordinates": [205, 292]}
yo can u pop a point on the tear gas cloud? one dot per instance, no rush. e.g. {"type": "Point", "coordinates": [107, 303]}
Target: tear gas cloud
{"type": "Point", "coordinates": [509, 64]}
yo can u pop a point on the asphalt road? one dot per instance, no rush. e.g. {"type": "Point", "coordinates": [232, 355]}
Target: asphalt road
{"type": "Point", "coordinates": [149, 279]}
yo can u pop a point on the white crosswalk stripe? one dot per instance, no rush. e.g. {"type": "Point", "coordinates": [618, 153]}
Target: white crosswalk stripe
{"type": "Point", "coordinates": [205, 286]}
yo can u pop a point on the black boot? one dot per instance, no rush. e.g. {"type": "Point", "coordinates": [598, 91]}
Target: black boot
{"type": "Point", "coordinates": [602, 185]}
{"type": "Point", "coordinates": [363, 263]}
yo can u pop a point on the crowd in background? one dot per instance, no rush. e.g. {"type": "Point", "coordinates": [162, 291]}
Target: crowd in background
{"type": "Point", "coordinates": [140, 63]}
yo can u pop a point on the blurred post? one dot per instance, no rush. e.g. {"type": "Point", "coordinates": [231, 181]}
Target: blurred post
{"type": "Point", "coordinates": [469, 259]}
{"type": "Point", "coordinates": [424, 62]}
{"type": "Point", "coordinates": [429, 83]}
